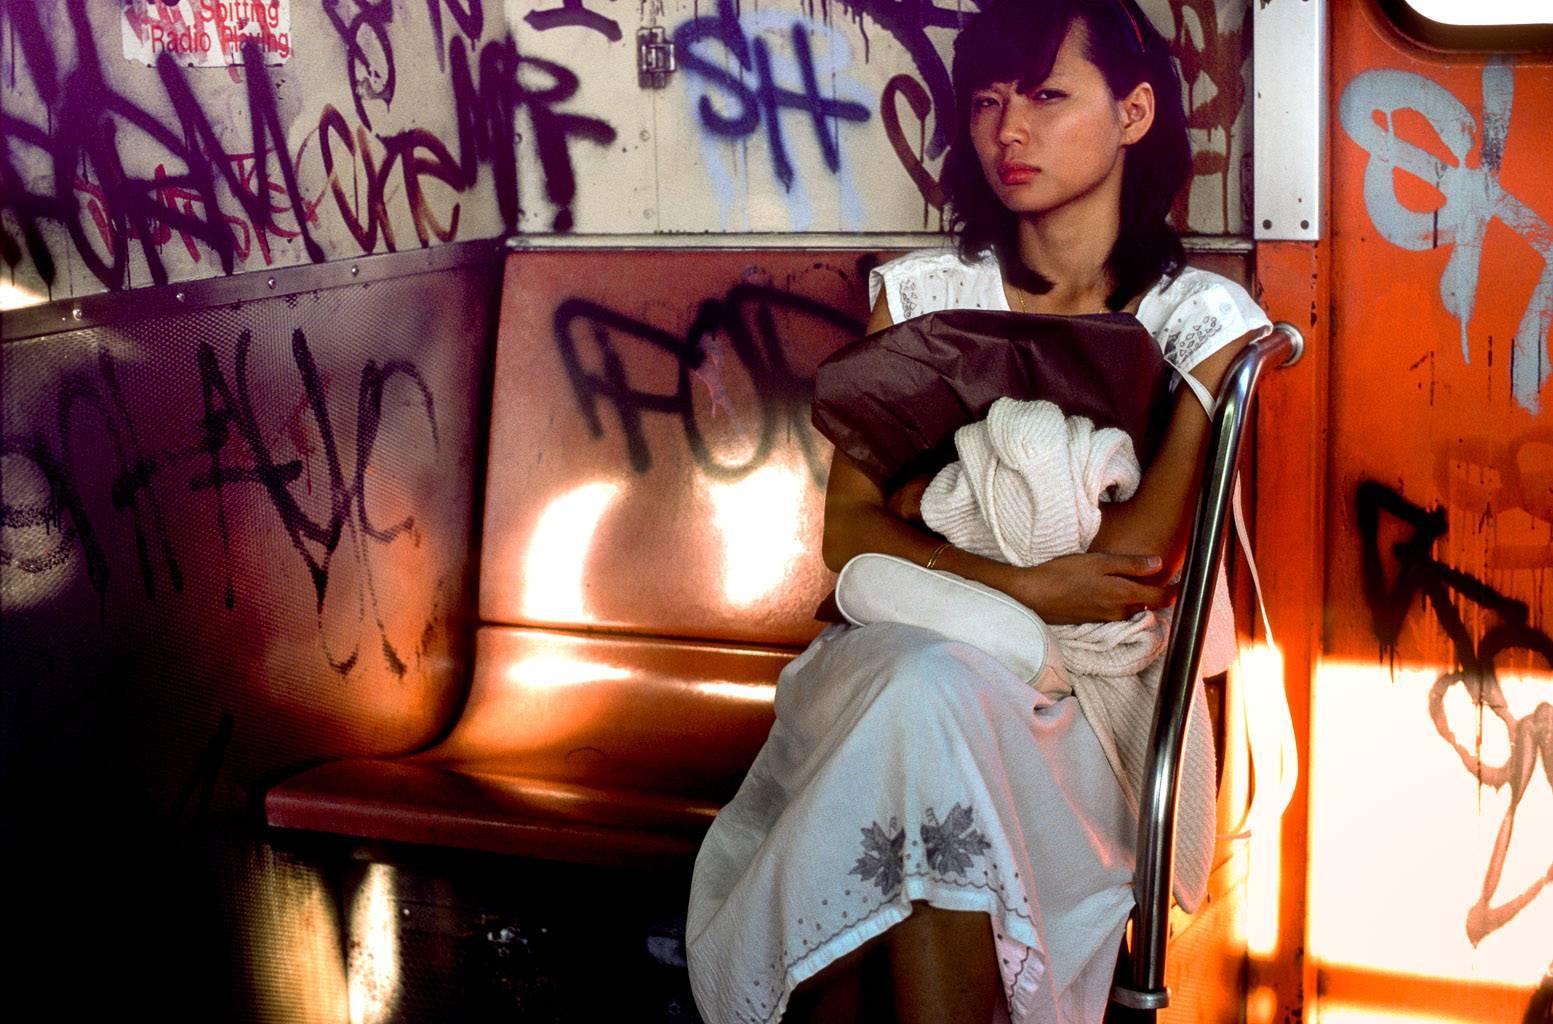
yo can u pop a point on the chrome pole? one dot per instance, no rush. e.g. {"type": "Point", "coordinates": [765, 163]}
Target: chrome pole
{"type": "Point", "coordinates": [1145, 989]}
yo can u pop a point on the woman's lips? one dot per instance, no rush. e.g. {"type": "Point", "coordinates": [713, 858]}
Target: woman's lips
{"type": "Point", "coordinates": [1016, 174]}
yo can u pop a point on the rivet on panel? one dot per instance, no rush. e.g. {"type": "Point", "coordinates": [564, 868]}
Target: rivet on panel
{"type": "Point", "coordinates": [270, 283]}
{"type": "Point", "coordinates": [355, 270]}
{"type": "Point", "coordinates": [76, 313]}
{"type": "Point", "coordinates": [180, 296]}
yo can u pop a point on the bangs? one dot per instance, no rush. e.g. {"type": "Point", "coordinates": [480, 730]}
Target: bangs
{"type": "Point", "coordinates": [1009, 42]}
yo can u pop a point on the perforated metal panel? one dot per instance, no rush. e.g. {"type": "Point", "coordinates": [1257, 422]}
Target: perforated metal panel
{"type": "Point", "coordinates": [238, 537]}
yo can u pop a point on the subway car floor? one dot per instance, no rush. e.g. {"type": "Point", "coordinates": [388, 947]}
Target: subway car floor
{"type": "Point", "coordinates": [238, 926]}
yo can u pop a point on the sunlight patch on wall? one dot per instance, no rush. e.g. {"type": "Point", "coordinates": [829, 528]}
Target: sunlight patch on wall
{"type": "Point", "coordinates": [758, 519]}
{"type": "Point", "coordinates": [555, 569]}
{"type": "Point", "coordinates": [1407, 848]}
{"type": "Point", "coordinates": [755, 693]}
{"type": "Point", "coordinates": [1258, 677]}
{"type": "Point", "coordinates": [1336, 1012]}
{"type": "Point", "coordinates": [13, 296]}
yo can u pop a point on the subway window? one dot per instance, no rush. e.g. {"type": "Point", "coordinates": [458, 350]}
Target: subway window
{"type": "Point", "coordinates": [1507, 25]}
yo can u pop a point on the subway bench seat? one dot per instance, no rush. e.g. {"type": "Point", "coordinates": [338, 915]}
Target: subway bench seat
{"type": "Point", "coordinates": [649, 562]}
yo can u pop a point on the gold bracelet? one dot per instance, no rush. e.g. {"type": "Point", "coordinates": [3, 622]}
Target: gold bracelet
{"type": "Point", "coordinates": [933, 558]}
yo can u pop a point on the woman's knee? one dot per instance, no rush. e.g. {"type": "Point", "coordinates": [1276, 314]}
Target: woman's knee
{"type": "Point", "coordinates": [936, 671]}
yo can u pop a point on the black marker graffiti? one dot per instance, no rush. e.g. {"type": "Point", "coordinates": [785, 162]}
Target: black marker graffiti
{"type": "Point", "coordinates": [235, 453]}
{"type": "Point", "coordinates": [574, 14]}
{"type": "Point", "coordinates": [90, 125]}
{"type": "Point", "coordinates": [746, 317]}
{"type": "Point", "coordinates": [369, 53]}
{"type": "Point", "coordinates": [230, 410]}
{"type": "Point", "coordinates": [86, 118]}
{"type": "Point", "coordinates": [1419, 573]}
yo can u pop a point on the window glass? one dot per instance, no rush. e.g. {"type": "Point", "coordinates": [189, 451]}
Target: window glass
{"type": "Point", "coordinates": [1480, 25]}
{"type": "Point", "coordinates": [1485, 12]}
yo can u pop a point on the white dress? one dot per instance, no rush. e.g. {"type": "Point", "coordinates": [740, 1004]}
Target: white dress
{"type": "Point", "coordinates": [903, 766]}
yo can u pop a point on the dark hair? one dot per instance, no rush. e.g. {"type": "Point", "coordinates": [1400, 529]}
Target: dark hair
{"type": "Point", "coordinates": [1017, 41]}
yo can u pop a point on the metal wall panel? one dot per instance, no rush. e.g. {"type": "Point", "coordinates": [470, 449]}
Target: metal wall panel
{"type": "Point", "coordinates": [238, 538]}
{"type": "Point", "coordinates": [653, 468]}
{"type": "Point", "coordinates": [1431, 822]}
{"type": "Point", "coordinates": [395, 126]}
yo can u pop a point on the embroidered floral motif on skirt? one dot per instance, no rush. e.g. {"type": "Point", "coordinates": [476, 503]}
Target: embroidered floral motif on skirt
{"type": "Point", "coordinates": [904, 767]}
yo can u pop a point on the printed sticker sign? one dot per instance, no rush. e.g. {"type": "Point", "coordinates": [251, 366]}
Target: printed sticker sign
{"type": "Point", "coordinates": [206, 33]}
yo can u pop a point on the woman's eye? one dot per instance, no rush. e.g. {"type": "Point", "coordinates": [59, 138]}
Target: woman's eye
{"type": "Point", "coordinates": [1049, 95]}
{"type": "Point", "coordinates": [983, 102]}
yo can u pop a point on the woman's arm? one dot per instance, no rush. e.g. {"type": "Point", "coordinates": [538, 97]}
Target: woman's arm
{"type": "Point", "coordinates": [1091, 587]}
{"type": "Point", "coordinates": [1156, 519]}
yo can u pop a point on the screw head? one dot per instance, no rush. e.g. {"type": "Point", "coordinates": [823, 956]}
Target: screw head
{"type": "Point", "coordinates": [270, 283]}
{"type": "Point", "coordinates": [77, 313]}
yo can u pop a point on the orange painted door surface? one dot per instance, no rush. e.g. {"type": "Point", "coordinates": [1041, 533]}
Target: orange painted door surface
{"type": "Point", "coordinates": [1431, 712]}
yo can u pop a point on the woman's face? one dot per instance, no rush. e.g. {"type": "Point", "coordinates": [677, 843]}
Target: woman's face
{"type": "Point", "coordinates": [1059, 142]}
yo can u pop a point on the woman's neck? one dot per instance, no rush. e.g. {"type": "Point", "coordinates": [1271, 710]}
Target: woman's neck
{"type": "Point", "coordinates": [1070, 248]}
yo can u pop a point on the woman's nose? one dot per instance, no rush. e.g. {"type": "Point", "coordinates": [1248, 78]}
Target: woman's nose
{"type": "Point", "coordinates": [1012, 128]}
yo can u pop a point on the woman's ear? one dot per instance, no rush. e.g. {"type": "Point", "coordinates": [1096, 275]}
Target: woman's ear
{"type": "Point", "coordinates": [1137, 112]}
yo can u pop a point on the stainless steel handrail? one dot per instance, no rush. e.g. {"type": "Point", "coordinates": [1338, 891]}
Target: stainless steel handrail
{"type": "Point", "coordinates": [1145, 989]}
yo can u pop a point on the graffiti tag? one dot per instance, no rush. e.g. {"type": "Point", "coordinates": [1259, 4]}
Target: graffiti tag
{"type": "Point", "coordinates": [1473, 198]}
{"type": "Point", "coordinates": [1418, 573]}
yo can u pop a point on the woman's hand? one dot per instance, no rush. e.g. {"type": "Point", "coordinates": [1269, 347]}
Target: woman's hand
{"type": "Point", "coordinates": [906, 502]}
{"type": "Point", "coordinates": [1090, 587]}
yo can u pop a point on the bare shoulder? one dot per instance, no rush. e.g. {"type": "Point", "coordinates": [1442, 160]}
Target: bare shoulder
{"type": "Point", "coordinates": [879, 318]}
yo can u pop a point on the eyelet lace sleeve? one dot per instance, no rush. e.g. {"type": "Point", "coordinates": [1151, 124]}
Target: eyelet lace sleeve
{"type": "Point", "coordinates": [1198, 313]}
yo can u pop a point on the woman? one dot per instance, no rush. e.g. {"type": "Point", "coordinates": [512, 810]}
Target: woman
{"type": "Point", "coordinates": [907, 798]}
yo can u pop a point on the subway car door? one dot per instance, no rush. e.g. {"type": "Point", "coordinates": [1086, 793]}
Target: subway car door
{"type": "Point", "coordinates": [1405, 513]}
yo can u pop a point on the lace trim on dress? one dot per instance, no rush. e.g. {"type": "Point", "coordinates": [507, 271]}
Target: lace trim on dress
{"type": "Point", "coordinates": [947, 848]}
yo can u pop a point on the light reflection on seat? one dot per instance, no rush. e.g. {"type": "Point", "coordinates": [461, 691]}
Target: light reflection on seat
{"type": "Point", "coordinates": [549, 671]}
{"type": "Point", "coordinates": [373, 968]}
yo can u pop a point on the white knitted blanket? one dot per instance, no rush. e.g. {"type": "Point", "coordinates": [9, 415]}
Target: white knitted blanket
{"type": "Point", "coordinates": [1027, 489]}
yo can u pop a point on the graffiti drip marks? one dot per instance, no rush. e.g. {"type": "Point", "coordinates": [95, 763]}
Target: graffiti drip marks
{"type": "Point", "coordinates": [746, 317]}
{"type": "Point", "coordinates": [87, 120]}
{"type": "Point", "coordinates": [908, 21]}
{"type": "Point", "coordinates": [63, 175]}
{"type": "Point", "coordinates": [1473, 199]}
{"type": "Point", "coordinates": [767, 100]}
{"type": "Point", "coordinates": [934, 194]}
{"type": "Point", "coordinates": [1531, 735]}
{"type": "Point", "coordinates": [1219, 62]}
